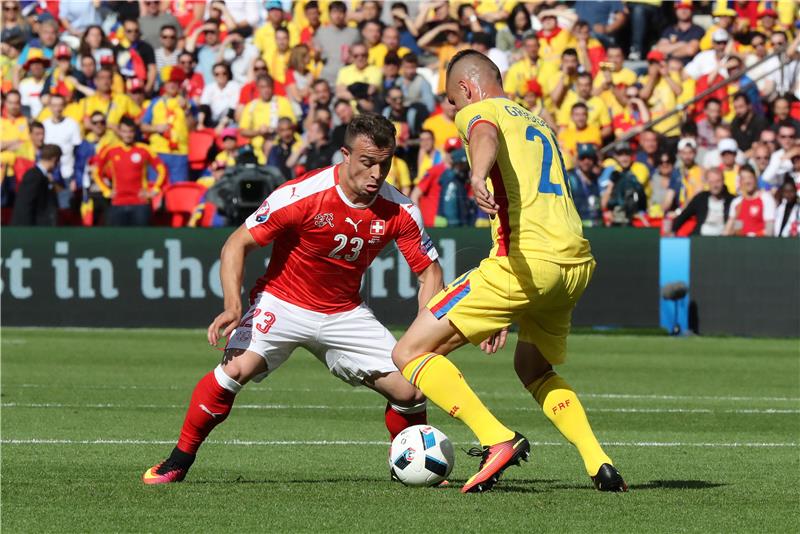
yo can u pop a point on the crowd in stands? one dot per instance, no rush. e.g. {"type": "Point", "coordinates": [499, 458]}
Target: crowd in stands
{"type": "Point", "coordinates": [680, 115]}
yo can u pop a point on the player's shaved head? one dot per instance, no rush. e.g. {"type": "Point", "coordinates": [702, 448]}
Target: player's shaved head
{"type": "Point", "coordinates": [471, 77]}
{"type": "Point", "coordinates": [475, 65]}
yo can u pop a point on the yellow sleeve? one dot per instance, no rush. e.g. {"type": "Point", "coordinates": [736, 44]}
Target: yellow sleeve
{"type": "Point", "coordinates": [285, 109]}
{"type": "Point", "coordinates": [246, 121]}
{"type": "Point", "coordinates": [510, 84]}
{"type": "Point", "coordinates": [403, 174]}
{"type": "Point", "coordinates": [375, 76]}
{"type": "Point", "coordinates": [564, 115]}
{"type": "Point", "coordinates": [605, 115]}
{"type": "Point", "coordinates": [342, 77]}
{"type": "Point", "coordinates": [467, 118]}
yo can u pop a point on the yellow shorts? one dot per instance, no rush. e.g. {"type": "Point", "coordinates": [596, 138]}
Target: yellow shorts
{"type": "Point", "coordinates": [537, 295]}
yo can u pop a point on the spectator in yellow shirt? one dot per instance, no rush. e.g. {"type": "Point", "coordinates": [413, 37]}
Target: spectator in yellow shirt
{"type": "Point", "coordinates": [114, 106]}
{"type": "Point", "coordinates": [165, 121]}
{"type": "Point", "coordinates": [661, 91]}
{"type": "Point", "coordinates": [264, 37]}
{"type": "Point", "coordinates": [453, 43]}
{"type": "Point", "coordinates": [442, 124]}
{"type": "Point", "coordinates": [15, 139]}
{"type": "Point", "coordinates": [390, 42]}
{"type": "Point", "coordinates": [578, 132]}
{"type": "Point", "coordinates": [399, 175]}
{"type": "Point", "coordinates": [529, 67]}
{"type": "Point", "coordinates": [552, 38]}
{"type": "Point", "coordinates": [359, 80]}
{"type": "Point", "coordinates": [598, 112]}
{"type": "Point", "coordinates": [260, 117]}
{"type": "Point", "coordinates": [613, 79]}
{"type": "Point", "coordinates": [227, 156]}
{"type": "Point", "coordinates": [555, 86]}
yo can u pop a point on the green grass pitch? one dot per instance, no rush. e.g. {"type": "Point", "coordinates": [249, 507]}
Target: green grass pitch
{"type": "Point", "coordinates": [705, 430]}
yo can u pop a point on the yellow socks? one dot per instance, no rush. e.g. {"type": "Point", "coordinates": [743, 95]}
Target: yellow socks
{"type": "Point", "coordinates": [561, 405]}
{"type": "Point", "coordinates": [442, 383]}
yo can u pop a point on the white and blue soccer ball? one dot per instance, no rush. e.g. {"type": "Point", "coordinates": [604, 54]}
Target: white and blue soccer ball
{"type": "Point", "coordinates": [421, 455]}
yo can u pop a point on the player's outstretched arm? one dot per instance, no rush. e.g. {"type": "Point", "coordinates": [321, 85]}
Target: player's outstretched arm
{"type": "Point", "coordinates": [483, 145]}
{"type": "Point", "coordinates": [231, 273]}
{"type": "Point", "coordinates": [431, 281]}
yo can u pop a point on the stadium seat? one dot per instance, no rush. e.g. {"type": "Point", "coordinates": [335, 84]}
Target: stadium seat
{"type": "Point", "coordinates": [200, 143]}
{"type": "Point", "coordinates": [180, 201]}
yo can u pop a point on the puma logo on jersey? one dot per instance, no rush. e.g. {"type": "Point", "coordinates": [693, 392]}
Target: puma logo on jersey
{"type": "Point", "coordinates": [355, 224]}
{"type": "Point", "coordinates": [209, 412]}
{"type": "Point", "coordinates": [294, 192]}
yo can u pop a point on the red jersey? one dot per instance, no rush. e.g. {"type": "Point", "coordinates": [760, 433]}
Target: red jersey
{"type": "Point", "coordinates": [323, 243]}
{"type": "Point", "coordinates": [752, 214]}
{"type": "Point", "coordinates": [126, 167]}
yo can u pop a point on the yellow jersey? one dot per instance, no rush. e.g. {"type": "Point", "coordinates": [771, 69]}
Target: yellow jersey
{"type": "Point", "coordinates": [537, 217]}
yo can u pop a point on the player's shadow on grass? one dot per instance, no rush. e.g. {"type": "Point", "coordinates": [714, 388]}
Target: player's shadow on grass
{"type": "Point", "coordinates": [542, 485]}
{"type": "Point", "coordinates": [676, 484]}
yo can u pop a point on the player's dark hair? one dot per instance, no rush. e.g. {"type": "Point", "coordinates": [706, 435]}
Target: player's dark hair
{"type": "Point", "coordinates": [579, 105]}
{"type": "Point", "coordinates": [50, 152]}
{"type": "Point", "coordinates": [712, 100]}
{"type": "Point", "coordinates": [35, 124]}
{"type": "Point", "coordinates": [479, 57]}
{"type": "Point", "coordinates": [585, 74]}
{"type": "Point", "coordinates": [13, 92]}
{"type": "Point", "coordinates": [787, 124]}
{"type": "Point", "coordinates": [377, 128]}
{"type": "Point", "coordinates": [311, 4]}
{"type": "Point", "coordinates": [337, 5]}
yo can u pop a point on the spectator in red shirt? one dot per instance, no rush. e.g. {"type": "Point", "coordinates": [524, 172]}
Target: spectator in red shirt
{"type": "Point", "coordinates": [125, 166]}
{"type": "Point", "coordinates": [194, 83]}
{"type": "Point", "coordinates": [427, 191]}
{"type": "Point", "coordinates": [752, 213]}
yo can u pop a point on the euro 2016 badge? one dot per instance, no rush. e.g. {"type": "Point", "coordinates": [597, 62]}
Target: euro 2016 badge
{"type": "Point", "coordinates": [263, 212]}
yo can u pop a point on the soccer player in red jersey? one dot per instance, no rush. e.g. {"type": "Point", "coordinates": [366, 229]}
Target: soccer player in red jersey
{"type": "Point", "coordinates": [326, 228]}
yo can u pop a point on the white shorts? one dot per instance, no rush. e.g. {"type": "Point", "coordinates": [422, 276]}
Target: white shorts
{"type": "Point", "coordinates": [353, 345]}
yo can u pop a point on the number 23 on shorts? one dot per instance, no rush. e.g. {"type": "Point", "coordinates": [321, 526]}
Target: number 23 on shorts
{"type": "Point", "coordinates": [263, 323]}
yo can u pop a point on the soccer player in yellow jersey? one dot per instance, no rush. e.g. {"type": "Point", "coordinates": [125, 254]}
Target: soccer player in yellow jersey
{"type": "Point", "coordinates": [536, 272]}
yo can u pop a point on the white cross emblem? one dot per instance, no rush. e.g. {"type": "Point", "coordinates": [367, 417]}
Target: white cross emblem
{"type": "Point", "coordinates": [377, 227]}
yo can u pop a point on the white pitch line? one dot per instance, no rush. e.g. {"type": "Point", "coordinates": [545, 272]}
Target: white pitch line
{"type": "Point", "coordinates": [57, 405]}
{"type": "Point", "coordinates": [720, 398]}
{"type": "Point", "coordinates": [266, 443]}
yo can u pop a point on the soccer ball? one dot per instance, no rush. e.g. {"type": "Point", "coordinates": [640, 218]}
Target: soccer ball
{"type": "Point", "coordinates": [421, 455]}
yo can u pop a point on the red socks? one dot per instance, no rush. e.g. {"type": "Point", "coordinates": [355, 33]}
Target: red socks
{"type": "Point", "coordinates": [397, 421]}
{"type": "Point", "coordinates": [210, 405]}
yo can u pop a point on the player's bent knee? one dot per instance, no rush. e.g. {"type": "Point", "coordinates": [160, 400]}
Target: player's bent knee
{"type": "Point", "coordinates": [242, 365]}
